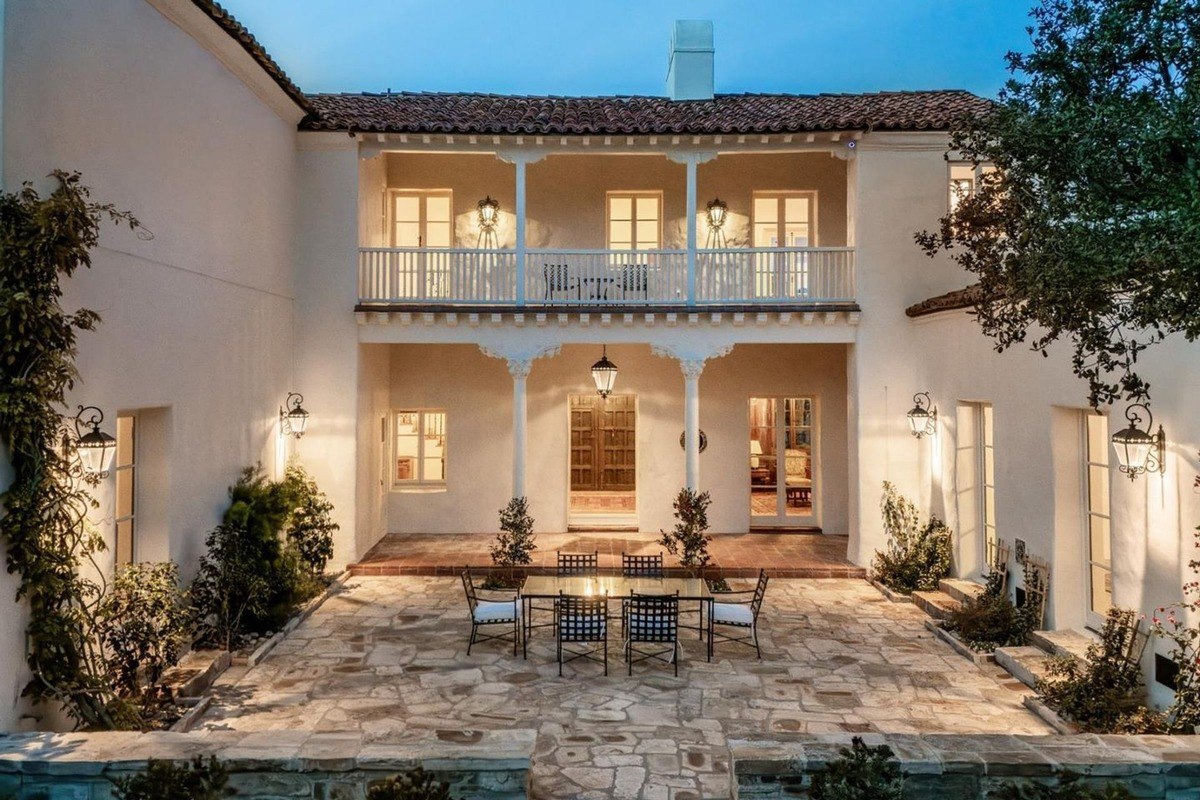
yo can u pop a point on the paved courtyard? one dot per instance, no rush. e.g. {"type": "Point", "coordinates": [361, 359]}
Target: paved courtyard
{"type": "Point", "coordinates": [386, 660]}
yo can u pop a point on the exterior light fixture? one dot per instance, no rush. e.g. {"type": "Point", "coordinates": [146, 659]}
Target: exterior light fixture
{"type": "Point", "coordinates": [1139, 450]}
{"type": "Point", "coordinates": [604, 373]}
{"type": "Point", "coordinates": [489, 212]}
{"type": "Point", "coordinates": [718, 212]}
{"type": "Point", "coordinates": [96, 448]}
{"type": "Point", "coordinates": [292, 416]}
{"type": "Point", "coordinates": [923, 416]}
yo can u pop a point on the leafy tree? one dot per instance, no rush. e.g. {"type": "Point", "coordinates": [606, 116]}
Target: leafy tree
{"type": "Point", "coordinates": [1088, 230]}
{"type": "Point", "coordinates": [144, 623]}
{"type": "Point", "coordinates": [312, 527]}
{"type": "Point", "coordinates": [689, 538]}
{"type": "Point", "coordinates": [861, 772]}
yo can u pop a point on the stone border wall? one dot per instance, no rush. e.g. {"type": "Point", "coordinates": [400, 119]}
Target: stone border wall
{"type": "Point", "coordinates": [969, 766]}
{"type": "Point", "coordinates": [489, 765]}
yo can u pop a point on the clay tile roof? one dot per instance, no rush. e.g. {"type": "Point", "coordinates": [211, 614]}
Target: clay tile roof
{"type": "Point", "coordinates": [251, 45]}
{"type": "Point", "coordinates": [429, 112]}
{"type": "Point", "coordinates": [967, 297]}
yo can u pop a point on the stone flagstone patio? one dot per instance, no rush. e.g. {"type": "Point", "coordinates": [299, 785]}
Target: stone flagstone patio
{"type": "Point", "coordinates": [386, 659]}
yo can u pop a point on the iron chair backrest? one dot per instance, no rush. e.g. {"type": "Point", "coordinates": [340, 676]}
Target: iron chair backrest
{"type": "Point", "coordinates": [582, 619]}
{"type": "Point", "coordinates": [635, 278]}
{"type": "Point", "coordinates": [578, 564]}
{"type": "Point", "coordinates": [558, 277]}
{"type": "Point", "coordinates": [653, 618]}
{"type": "Point", "coordinates": [634, 566]}
{"type": "Point", "coordinates": [469, 588]}
{"type": "Point", "coordinates": [760, 592]}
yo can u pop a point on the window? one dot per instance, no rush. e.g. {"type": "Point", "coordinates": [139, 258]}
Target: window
{"type": "Point", "coordinates": [419, 455]}
{"type": "Point", "coordinates": [125, 473]}
{"type": "Point", "coordinates": [988, 473]}
{"type": "Point", "coordinates": [962, 184]}
{"type": "Point", "coordinates": [785, 219]}
{"type": "Point", "coordinates": [634, 220]}
{"type": "Point", "coordinates": [422, 218]}
{"type": "Point", "coordinates": [1098, 548]}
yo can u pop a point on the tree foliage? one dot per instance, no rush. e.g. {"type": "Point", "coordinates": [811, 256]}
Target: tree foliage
{"type": "Point", "coordinates": [1088, 230]}
{"type": "Point", "coordinates": [689, 539]}
{"type": "Point", "coordinates": [917, 556]}
{"type": "Point", "coordinates": [163, 780]}
{"type": "Point", "coordinates": [861, 772]}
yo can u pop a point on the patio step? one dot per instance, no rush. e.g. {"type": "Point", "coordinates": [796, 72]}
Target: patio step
{"type": "Point", "coordinates": [1064, 642]}
{"type": "Point", "coordinates": [961, 590]}
{"type": "Point", "coordinates": [938, 605]}
{"type": "Point", "coordinates": [1027, 664]}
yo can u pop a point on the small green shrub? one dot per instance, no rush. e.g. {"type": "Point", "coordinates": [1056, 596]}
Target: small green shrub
{"type": "Point", "coordinates": [861, 772]}
{"type": "Point", "coordinates": [992, 620]}
{"type": "Point", "coordinates": [689, 539]}
{"type": "Point", "coordinates": [143, 624]}
{"type": "Point", "coordinates": [917, 556]}
{"type": "Point", "coordinates": [162, 780]}
{"type": "Point", "coordinates": [514, 544]}
{"type": "Point", "coordinates": [229, 585]}
{"type": "Point", "coordinates": [1104, 693]}
{"type": "Point", "coordinates": [311, 527]}
{"type": "Point", "coordinates": [1069, 789]}
{"type": "Point", "coordinates": [413, 785]}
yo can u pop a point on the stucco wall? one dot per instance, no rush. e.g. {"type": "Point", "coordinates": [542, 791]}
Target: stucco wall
{"type": "Point", "coordinates": [197, 321]}
{"type": "Point", "coordinates": [476, 392]}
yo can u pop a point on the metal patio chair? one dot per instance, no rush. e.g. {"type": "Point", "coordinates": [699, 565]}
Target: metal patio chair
{"type": "Point", "coordinates": [634, 566]}
{"type": "Point", "coordinates": [739, 614]}
{"type": "Point", "coordinates": [635, 280]}
{"type": "Point", "coordinates": [558, 279]}
{"type": "Point", "coordinates": [653, 620]}
{"type": "Point", "coordinates": [485, 612]}
{"type": "Point", "coordinates": [581, 620]}
{"type": "Point", "coordinates": [574, 564]}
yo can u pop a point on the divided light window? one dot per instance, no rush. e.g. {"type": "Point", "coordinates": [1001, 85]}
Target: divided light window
{"type": "Point", "coordinates": [785, 219]}
{"type": "Point", "coordinates": [1098, 526]}
{"type": "Point", "coordinates": [988, 472]}
{"type": "Point", "coordinates": [125, 474]}
{"type": "Point", "coordinates": [634, 220]}
{"type": "Point", "coordinates": [422, 218]}
{"type": "Point", "coordinates": [419, 452]}
{"type": "Point", "coordinates": [964, 181]}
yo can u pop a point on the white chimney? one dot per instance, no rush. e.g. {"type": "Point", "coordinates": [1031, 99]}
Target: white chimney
{"type": "Point", "coordinates": [690, 70]}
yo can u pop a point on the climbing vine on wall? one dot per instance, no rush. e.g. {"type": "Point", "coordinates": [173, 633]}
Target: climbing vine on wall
{"type": "Point", "coordinates": [44, 239]}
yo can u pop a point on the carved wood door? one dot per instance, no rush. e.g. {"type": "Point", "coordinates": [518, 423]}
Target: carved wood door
{"type": "Point", "coordinates": [603, 443]}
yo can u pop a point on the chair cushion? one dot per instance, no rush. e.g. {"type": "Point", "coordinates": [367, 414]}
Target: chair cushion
{"type": "Point", "coordinates": [733, 613]}
{"type": "Point", "coordinates": [489, 611]}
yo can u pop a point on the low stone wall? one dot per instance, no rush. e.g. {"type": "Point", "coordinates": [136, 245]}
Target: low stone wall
{"type": "Point", "coordinates": [267, 765]}
{"type": "Point", "coordinates": [969, 767]}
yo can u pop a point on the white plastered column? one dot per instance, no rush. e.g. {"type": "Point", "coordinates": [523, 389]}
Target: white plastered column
{"type": "Point", "coordinates": [691, 364]}
{"type": "Point", "coordinates": [520, 364]}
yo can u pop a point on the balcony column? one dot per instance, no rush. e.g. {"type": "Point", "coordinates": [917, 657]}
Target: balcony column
{"type": "Point", "coordinates": [690, 159]}
{"type": "Point", "coordinates": [520, 212]}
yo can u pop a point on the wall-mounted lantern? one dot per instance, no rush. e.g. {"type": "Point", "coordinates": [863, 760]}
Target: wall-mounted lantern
{"type": "Point", "coordinates": [96, 449]}
{"type": "Point", "coordinates": [292, 416]}
{"type": "Point", "coordinates": [604, 373]}
{"type": "Point", "coordinates": [718, 212]}
{"type": "Point", "coordinates": [488, 211]}
{"type": "Point", "coordinates": [923, 416]}
{"type": "Point", "coordinates": [1139, 450]}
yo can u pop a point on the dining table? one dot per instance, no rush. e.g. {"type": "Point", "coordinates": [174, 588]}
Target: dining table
{"type": "Point", "coordinates": [614, 587]}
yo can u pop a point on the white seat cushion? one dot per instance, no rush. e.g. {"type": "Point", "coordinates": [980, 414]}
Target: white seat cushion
{"type": "Point", "coordinates": [733, 613]}
{"type": "Point", "coordinates": [488, 611]}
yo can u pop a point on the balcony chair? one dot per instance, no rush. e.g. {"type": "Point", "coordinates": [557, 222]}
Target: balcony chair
{"type": "Point", "coordinates": [635, 280]}
{"type": "Point", "coordinates": [558, 279]}
{"type": "Point", "coordinates": [653, 620]}
{"type": "Point", "coordinates": [485, 612]}
{"type": "Point", "coordinates": [581, 621]}
{"type": "Point", "coordinates": [739, 614]}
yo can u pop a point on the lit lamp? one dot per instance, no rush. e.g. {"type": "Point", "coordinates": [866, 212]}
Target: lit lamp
{"type": "Point", "coordinates": [489, 217]}
{"type": "Point", "coordinates": [756, 450]}
{"type": "Point", "coordinates": [1140, 450]}
{"type": "Point", "coordinates": [923, 416]}
{"type": "Point", "coordinates": [292, 415]}
{"type": "Point", "coordinates": [604, 373]}
{"type": "Point", "coordinates": [96, 448]}
{"type": "Point", "coordinates": [718, 212]}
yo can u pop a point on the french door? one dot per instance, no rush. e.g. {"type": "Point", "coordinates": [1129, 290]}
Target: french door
{"type": "Point", "coordinates": [783, 220]}
{"type": "Point", "coordinates": [423, 219]}
{"type": "Point", "coordinates": [603, 443]}
{"type": "Point", "coordinates": [783, 485]}
{"type": "Point", "coordinates": [1097, 527]}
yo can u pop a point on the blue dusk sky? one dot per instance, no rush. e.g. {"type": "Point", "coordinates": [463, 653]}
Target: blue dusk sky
{"type": "Point", "coordinates": [620, 47]}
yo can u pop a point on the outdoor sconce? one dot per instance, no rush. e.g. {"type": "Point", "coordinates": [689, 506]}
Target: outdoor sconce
{"type": "Point", "coordinates": [292, 416]}
{"type": "Point", "coordinates": [96, 449]}
{"type": "Point", "coordinates": [718, 212]}
{"type": "Point", "coordinates": [923, 416]}
{"type": "Point", "coordinates": [489, 213]}
{"type": "Point", "coordinates": [1140, 450]}
{"type": "Point", "coordinates": [604, 373]}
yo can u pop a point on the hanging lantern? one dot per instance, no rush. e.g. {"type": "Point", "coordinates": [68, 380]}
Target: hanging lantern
{"type": "Point", "coordinates": [604, 373]}
{"type": "Point", "coordinates": [292, 415]}
{"type": "Point", "coordinates": [1139, 450]}
{"type": "Point", "coordinates": [96, 449]}
{"type": "Point", "coordinates": [923, 416]}
{"type": "Point", "coordinates": [489, 213]}
{"type": "Point", "coordinates": [717, 212]}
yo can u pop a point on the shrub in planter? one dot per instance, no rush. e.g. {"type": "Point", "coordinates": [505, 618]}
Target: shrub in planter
{"type": "Point", "coordinates": [230, 585]}
{"type": "Point", "coordinates": [689, 539]}
{"type": "Point", "coordinates": [861, 772]}
{"type": "Point", "coordinates": [1069, 789]}
{"type": "Point", "coordinates": [514, 544]}
{"type": "Point", "coordinates": [1104, 693]}
{"type": "Point", "coordinates": [413, 785]}
{"type": "Point", "coordinates": [311, 528]}
{"type": "Point", "coordinates": [917, 556]}
{"type": "Point", "coordinates": [992, 620]}
{"type": "Point", "coordinates": [162, 780]}
{"type": "Point", "coordinates": [143, 624]}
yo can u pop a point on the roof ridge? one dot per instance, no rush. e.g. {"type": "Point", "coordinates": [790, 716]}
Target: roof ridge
{"type": "Point", "coordinates": [502, 96]}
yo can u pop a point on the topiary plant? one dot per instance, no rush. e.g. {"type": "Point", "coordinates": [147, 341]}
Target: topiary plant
{"type": "Point", "coordinates": [861, 772]}
{"type": "Point", "coordinates": [514, 544]}
{"type": "Point", "coordinates": [413, 785]}
{"type": "Point", "coordinates": [162, 780]}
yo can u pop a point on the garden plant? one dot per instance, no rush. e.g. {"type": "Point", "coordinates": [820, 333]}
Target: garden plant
{"type": "Point", "coordinates": [917, 556]}
{"type": "Point", "coordinates": [514, 545]}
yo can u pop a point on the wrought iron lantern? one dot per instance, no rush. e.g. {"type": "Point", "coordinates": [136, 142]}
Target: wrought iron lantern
{"type": "Point", "coordinates": [923, 416]}
{"type": "Point", "coordinates": [292, 415]}
{"type": "Point", "coordinates": [96, 449]}
{"type": "Point", "coordinates": [604, 373]}
{"type": "Point", "coordinates": [1139, 450]}
{"type": "Point", "coordinates": [489, 213]}
{"type": "Point", "coordinates": [717, 211]}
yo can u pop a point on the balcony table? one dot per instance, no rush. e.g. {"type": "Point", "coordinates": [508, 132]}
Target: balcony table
{"type": "Point", "coordinates": [599, 285]}
{"type": "Point", "coordinates": [616, 587]}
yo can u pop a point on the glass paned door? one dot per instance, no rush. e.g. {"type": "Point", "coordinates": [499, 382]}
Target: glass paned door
{"type": "Point", "coordinates": [782, 461]}
{"type": "Point", "coordinates": [423, 219]}
{"type": "Point", "coordinates": [1097, 527]}
{"type": "Point", "coordinates": [125, 471]}
{"type": "Point", "coordinates": [782, 220]}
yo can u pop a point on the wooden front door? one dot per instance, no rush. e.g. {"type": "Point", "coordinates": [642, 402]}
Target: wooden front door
{"type": "Point", "coordinates": [603, 443]}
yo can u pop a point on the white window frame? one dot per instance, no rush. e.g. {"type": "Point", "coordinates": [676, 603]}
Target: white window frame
{"type": "Point", "coordinates": [781, 518]}
{"type": "Point", "coordinates": [632, 195]}
{"type": "Point", "coordinates": [780, 195]}
{"type": "Point", "coordinates": [423, 221]}
{"type": "Point", "coordinates": [131, 517]}
{"type": "Point", "coordinates": [1092, 619]}
{"type": "Point", "coordinates": [419, 482]}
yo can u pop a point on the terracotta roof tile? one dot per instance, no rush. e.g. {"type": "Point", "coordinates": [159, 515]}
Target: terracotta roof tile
{"type": "Point", "coordinates": [408, 112]}
{"type": "Point", "coordinates": [967, 297]}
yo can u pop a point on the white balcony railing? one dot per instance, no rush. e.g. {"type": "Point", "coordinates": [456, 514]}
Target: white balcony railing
{"type": "Point", "coordinates": [731, 276]}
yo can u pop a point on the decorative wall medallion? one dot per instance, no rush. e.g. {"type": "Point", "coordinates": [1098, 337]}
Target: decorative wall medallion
{"type": "Point", "coordinates": [703, 441]}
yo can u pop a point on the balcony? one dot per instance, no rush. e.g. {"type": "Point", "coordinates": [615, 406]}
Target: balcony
{"type": "Point", "coordinates": [391, 278]}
